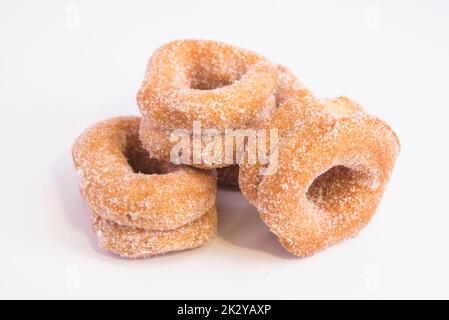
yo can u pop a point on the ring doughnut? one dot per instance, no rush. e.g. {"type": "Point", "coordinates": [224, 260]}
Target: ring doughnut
{"type": "Point", "coordinates": [221, 85]}
{"type": "Point", "coordinates": [130, 242]}
{"type": "Point", "coordinates": [120, 182]}
{"type": "Point", "coordinates": [334, 163]}
{"type": "Point", "coordinates": [157, 142]}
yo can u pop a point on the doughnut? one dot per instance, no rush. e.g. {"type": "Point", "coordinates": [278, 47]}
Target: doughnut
{"type": "Point", "coordinates": [228, 177]}
{"type": "Point", "coordinates": [121, 183]}
{"type": "Point", "coordinates": [221, 85]}
{"type": "Point", "coordinates": [131, 242]}
{"type": "Point", "coordinates": [334, 163]}
{"type": "Point", "coordinates": [157, 142]}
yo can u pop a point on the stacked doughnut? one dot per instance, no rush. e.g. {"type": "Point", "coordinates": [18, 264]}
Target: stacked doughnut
{"type": "Point", "coordinates": [333, 159]}
{"type": "Point", "coordinates": [141, 206]}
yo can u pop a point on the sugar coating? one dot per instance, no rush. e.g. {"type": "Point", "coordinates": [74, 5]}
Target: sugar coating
{"type": "Point", "coordinates": [334, 163]}
{"type": "Point", "coordinates": [160, 146]}
{"type": "Point", "coordinates": [293, 106]}
{"type": "Point", "coordinates": [292, 112]}
{"type": "Point", "coordinates": [221, 85]}
{"type": "Point", "coordinates": [334, 158]}
{"type": "Point", "coordinates": [287, 84]}
{"type": "Point", "coordinates": [130, 242]}
{"type": "Point", "coordinates": [121, 183]}
{"type": "Point", "coordinates": [156, 139]}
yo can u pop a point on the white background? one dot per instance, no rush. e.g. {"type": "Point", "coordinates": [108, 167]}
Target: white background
{"type": "Point", "coordinates": [65, 65]}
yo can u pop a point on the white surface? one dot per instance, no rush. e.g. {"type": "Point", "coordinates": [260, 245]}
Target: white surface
{"type": "Point", "coordinates": [58, 77]}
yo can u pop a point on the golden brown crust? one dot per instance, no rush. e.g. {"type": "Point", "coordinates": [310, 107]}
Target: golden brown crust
{"type": "Point", "coordinates": [287, 84]}
{"type": "Point", "coordinates": [197, 80]}
{"type": "Point", "coordinates": [130, 242]}
{"type": "Point", "coordinates": [103, 155]}
{"type": "Point", "coordinates": [298, 106]}
{"type": "Point", "coordinates": [160, 145]}
{"type": "Point", "coordinates": [334, 163]}
{"type": "Point", "coordinates": [157, 140]}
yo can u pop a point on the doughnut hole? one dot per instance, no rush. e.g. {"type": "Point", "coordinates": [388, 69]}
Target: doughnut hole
{"type": "Point", "coordinates": [140, 161]}
{"type": "Point", "coordinates": [340, 190]}
{"type": "Point", "coordinates": [209, 81]}
{"type": "Point", "coordinates": [215, 72]}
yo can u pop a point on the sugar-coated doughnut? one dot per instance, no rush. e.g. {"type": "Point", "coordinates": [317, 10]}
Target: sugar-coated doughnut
{"type": "Point", "coordinates": [130, 242]}
{"type": "Point", "coordinates": [159, 144]}
{"type": "Point", "coordinates": [221, 85]}
{"type": "Point", "coordinates": [228, 177]}
{"type": "Point", "coordinates": [334, 163]}
{"type": "Point", "coordinates": [120, 182]}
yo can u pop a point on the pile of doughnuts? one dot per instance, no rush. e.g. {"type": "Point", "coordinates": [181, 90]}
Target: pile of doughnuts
{"type": "Point", "coordinates": [141, 206]}
{"type": "Point", "coordinates": [333, 159]}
